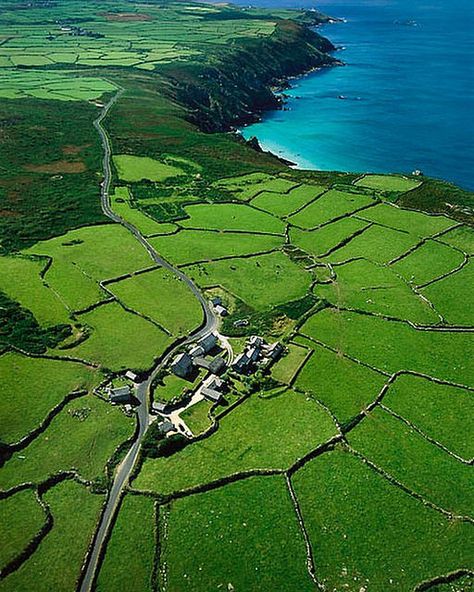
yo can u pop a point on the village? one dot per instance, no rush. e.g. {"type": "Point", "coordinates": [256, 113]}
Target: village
{"type": "Point", "coordinates": [206, 369]}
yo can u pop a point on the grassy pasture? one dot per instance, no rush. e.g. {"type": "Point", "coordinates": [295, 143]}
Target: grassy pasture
{"type": "Point", "coordinates": [35, 386]}
{"type": "Point", "coordinates": [392, 346]}
{"type": "Point", "coordinates": [20, 280]}
{"type": "Point", "coordinates": [83, 257]}
{"type": "Point", "coordinates": [451, 296]}
{"type": "Point", "coordinates": [461, 237]}
{"type": "Point", "coordinates": [444, 413]}
{"type": "Point", "coordinates": [282, 204]}
{"type": "Point", "coordinates": [161, 296]}
{"type": "Point", "coordinates": [231, 217]}
{"type": "Point", "coordinates": [363, 285]}
{"type": "Point", "coordinates": [331, 205]}
{"type": "Point", "coordinates": [415, 462]}
{"type": "Point", "coordinates": [21, 518]}
{"type": "Point", "coordinates": [427, 262]}
{"type": "Point", "coordinates": [388, 183]}
{"type": "Point", "coordinates": [409, 221]}
{"type": "Point", "coordinates": [250, 437]}
{"type": "Point", "coordinates": [82, 437]}
{"type": "Point", "coordinates": [286, 368]}
{"type": "Point", "coordinates": [280, 280]}
{"type": "Point", "coordinates": [235, 520]}
{"type": "Point", "coordinates": [125, 210]}
{"type": "Point", "coordinates": [197, 417]}
{"type": "Point", "coordinates": [56, 563]}
{"type": "Point", "coordinates": [136, 168]}
{"type": "Point", "coordinates": [318, 242]}
{"type": "Point", "coordinates": [173, 387]}
{"type": "Point", "coordinates": [343, 385]}
{"type": "Point", "coordinates": [188, 246]}
{"type": "Point", "coordinates": [356, 520]}
{"type": "Point", "coordinates": [134, 535]}
{"type": "Point", "coordinates": [120, 339]}
{"type": "Point", "coordinates": [377, 244]}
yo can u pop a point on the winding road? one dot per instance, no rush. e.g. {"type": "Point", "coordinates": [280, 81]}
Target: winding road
{"type": "Point", "coordinates": [209, 325]}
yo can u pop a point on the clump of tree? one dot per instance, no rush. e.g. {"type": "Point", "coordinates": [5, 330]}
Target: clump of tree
{"type": "Point", "coordinates": [156, 444]}
{"type": "Point", "coordinates": [19, 328]}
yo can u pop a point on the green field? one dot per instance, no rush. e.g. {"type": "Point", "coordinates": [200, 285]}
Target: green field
{"type": "Point", "coordinates": [189, 246]}
{"type": "Point", "coordinates": [343, 385]}
{"type": "Point", "coordinates": [283, 204]}
{"type": "Point", "coordinates": [162, 297]}
{"type": "Point", "coordinates": [231, 217]}
{"type": "Point", "coordinates": [21, 517]}
{"type": "Point", "coordinates": [286, 368]}
{"type": "Point", "coordinates": [393, 346]}
{"type": "Point", "coordinates": [249, 438]}
{"type": "Point", "coordinates": [173, 387]}
{"type": "Point", "coordinates": [356, 521]}
{"type": "Point", "coordinates": [428, 262]}
{"type": "Point", "coordinates": [416, 463]}
{"type": "Point", "coordinates": [442, 412]}
{"type": "Point", "coordinates": [451, 296]}
{"type": "Point", "coordinates": [121, 205]}
{"type": "Point", "coordinates": [235, 519]}
{"type": "Point", "coordinates": [95, 429]}
{"type": "Point", "coordinates": [333, 204]}
{"type": "Point", "coordinates": [280, 280]}
{"type": "Point", "coordinates": [363, 285]}
{"type": "Point", "coordinates": [134, 535]}
{"type": "Point", "coordinates": [136, 168]}
{"type": "Point", "coordinates": [56, 564]}
{"type": "Point", "coordinates": [461, 237]}
{"type": "Point", "coordinates": [318, 242]}
{"type": "Point", "coordinates": [197, 417]}
{"type": "Point", "coordinates": [35, 386]}
{"type": "Point", "coordinates": [388, 183]}
{"type": "Point", "coordinates": [120, 340]}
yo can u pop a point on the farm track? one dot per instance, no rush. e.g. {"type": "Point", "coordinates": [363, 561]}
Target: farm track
{"type": "Point", "coordinates": [125, 468]}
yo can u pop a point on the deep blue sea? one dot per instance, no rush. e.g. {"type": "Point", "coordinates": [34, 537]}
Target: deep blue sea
{"type": "Point", "coordinates": [404, 100]}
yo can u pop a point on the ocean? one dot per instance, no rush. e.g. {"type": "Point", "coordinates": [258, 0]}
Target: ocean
{"type": "Point", "coordinates": [403, 101]}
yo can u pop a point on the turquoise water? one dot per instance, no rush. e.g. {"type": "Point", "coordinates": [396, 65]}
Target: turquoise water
{"type": "Point", "coordinates": [404, 100]}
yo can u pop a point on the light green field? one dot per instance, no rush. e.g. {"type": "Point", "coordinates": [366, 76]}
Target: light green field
{"type": "Point", "coordinates": [173, 387]}
{"type": "Point", "coordinates": [20, 280]}
{"type": "Point", "coordinates": [318, 242]}
{"type": "Point", "coordinates": [32, 387]}
{"type": "Point", "coordinates": [331, 205]}
{"type": "Point", "coordinates": [279, 281]}
{"type": "Point", "coordinates": [235, 520]}
{"type": "Point", "coordinates": [93, 428]}
{"type": "Point", "coordinates": [452, 295]}
{"type": "Point", "coordinates": [56, 564]}
{"type": "Point", "coordinates": [197, 417]}
{"type": "Point", "coordinates": [363, 285]}
{"type": "Point", "coordinates": [427, 262]}
{"type": "Point", "coordinates": [442, 412]}
{"type": "Point", "coordinates": [125, 210]}
{"type": "Point", "coordinates": [231, 217]}
{"type": "Point", "coordinates": [248, 438]}
{"type": "Point", "coordinates": [388, 183]}
{"type": "Point", "coordinates": [282, 204]}
{"type": "Point", "coordinates": [162, 297]}
{"type": "Point", "coordinates": [409, 221]}
{"type": "Point", "coordinates": [461, 237]}
{"type": "Point", "coordinates": [136, 168]}
{"type": "Point", "coordinates": [394, 346]}
{"type": "Point", "coordinates": [377, 244]}
{"type": "Point", "coordinates": [286, 368]}
{"type": "Point", "coordinates": [247, 187]}
{"type": "Point", "coordinates": [120, 339]}
{"type": "Point", "coordinates": [356, 521]}
{"type": "Point", "coordinates": [83, 257]}
{"type": "Point", "coordinates": [344, 386]}
{"type": "Point", "coordinates": [188, 246]}
{"type": "Point", "coordinates": [415, 462]}
{"type": "Point", "coordinates": [21, 517]}
{"type": "Point", "coordinates": [133, 535]}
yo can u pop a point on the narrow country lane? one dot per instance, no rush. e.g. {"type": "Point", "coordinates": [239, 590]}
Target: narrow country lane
{"type": "Point", "coordinates": [210, 323]}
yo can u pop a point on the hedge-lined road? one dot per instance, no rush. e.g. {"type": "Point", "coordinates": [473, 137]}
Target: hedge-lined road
{"type": "Point", "coordinates": [124, 470]}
